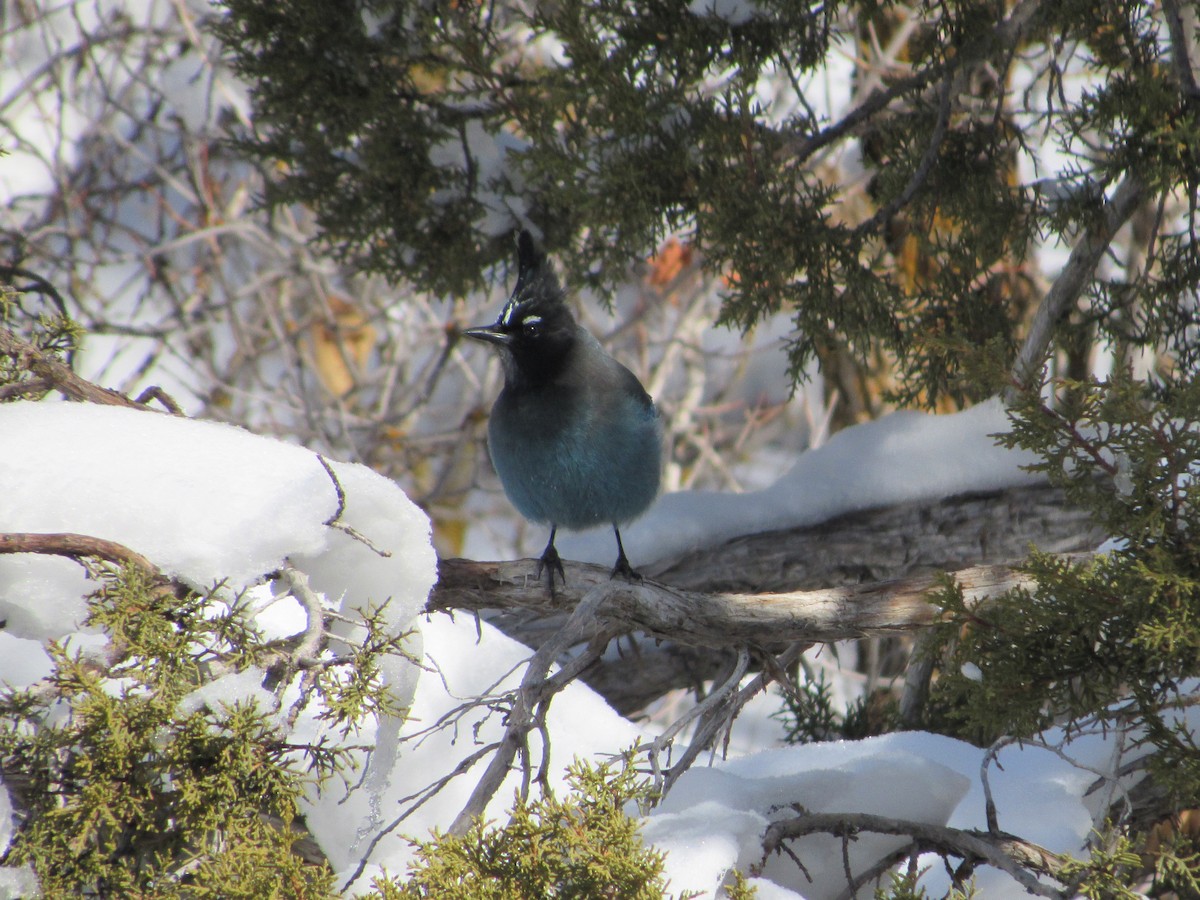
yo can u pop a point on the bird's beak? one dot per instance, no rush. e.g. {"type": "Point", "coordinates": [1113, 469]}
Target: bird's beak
{"type": "Point", "coordinates": [489, 334]}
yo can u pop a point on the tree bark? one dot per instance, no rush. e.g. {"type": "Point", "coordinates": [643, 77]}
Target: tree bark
{"type": "Point", "coordinates": [872, 568]}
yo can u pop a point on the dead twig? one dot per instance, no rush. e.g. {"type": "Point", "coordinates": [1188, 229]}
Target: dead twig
{"type": "Point", "coordinates": [58, 374]}
{"type": "Point", "coordinates": [1020, 859]}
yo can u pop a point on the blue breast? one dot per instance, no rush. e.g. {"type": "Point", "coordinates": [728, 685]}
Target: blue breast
{"type": "Point", "coordinates": [570, 456]}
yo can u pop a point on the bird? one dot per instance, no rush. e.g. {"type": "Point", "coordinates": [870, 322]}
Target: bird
{"type": "Point", "coordinates": [573, 435]}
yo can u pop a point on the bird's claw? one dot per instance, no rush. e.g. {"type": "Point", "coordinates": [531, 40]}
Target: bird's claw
{"type": "Point", "coordinates": [551, 562]}
{"type": "Point", "coordinates": [625, 570]}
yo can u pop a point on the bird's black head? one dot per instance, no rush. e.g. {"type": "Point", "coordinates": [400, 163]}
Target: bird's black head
{"type": "Point", "coordinates": [535, 331]}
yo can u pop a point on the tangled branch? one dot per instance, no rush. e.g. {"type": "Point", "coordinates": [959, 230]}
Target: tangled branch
{"type": "Point", "coordinates": [1020, 859]}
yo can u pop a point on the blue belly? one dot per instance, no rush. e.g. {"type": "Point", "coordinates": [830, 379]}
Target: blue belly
{"type": "Point", "coordinates": [576, 472]}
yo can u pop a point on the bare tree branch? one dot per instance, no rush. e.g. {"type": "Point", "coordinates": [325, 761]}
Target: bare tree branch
{"type": "Point", "coordinates": [78, 546]}
{"type": "Point", "coordinates": [1006, 33]}
{"type": "Point", "coordinates": [717, 619]}
{"type": "Point", "coordinates": [58, 374]}
{"type": "Point", "coordinates": [937, 534]}
{"type": "Point", "coordinates": [1019, 859]}
{"type": "Point", "coordinates": [308, 646]}
{"type": "Point", "coordinates": [1182, 46]}
{"type": "Point", "coordinates": [723, 686]}
{"type": "Point", "coordinates": [535, 689]}
{"type": "Point", "coordinates": [922, 537]}
{"type": "Point", "coordinates": [154, 392]}
{"type": "Point", "coordinates": [1074, 278]}
{"type": "Point", "coordinates": [720, 716]}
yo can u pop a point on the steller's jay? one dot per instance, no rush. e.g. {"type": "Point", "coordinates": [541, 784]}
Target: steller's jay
{"type": "Point", "coordinates": [574, 436]}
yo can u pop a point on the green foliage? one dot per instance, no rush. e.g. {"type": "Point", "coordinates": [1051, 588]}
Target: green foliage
{"type": "Point", "coordinates": [737, 888]}
{"type": "Point", "coordinates": [1105, 873]}
{"type": "Point", "coordinates": [808, 715]}
{"type": "Point", "coordinates": [353, 687]}
{"type": "Point", "coordinates": [904, 886]}
{"type": "Point", "coordinates": [53, 333]}
{"type": "Point", "coordinates": [1111, 638]}
{"type": "Point", "coordinates": [127, 790]}
{"type": "Point", "coordinates": [424, 134]}
{"type": "Point", "coordinates": [582, 847]}
{"type": "Point", "coordinates": [1175, 861]}
{"type": "Point", "coordinates": [124, 792]}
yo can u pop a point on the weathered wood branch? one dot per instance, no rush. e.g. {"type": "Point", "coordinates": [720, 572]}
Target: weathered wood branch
{"type": "Point", "coordinates": [1074, 278]}
{"type": "Point", "coordinates": [721, 619]}
{"type": "Point", "coordinates": [871, 546]}
{"type": "Point", "coordinates": [937, 535]}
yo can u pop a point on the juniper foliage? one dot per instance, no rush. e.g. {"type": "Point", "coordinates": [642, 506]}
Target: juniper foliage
{"type": "Point", "coordinates": [576, 848]}
{"type": "Point", "coordinates": [424, 134]}
{"type": "Point", "coordinates": [124, 791]}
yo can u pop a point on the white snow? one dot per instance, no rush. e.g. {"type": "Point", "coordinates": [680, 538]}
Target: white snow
{"type": "Point", "coordinates": [205, 502]}
{"type": "Point", "coordinates": [236, 688]}
{"type": "Point", "coordinates": [714, 818]}
{"type": "Point", "coordinates": [468, 664]}
{"type": "Point", "coordinates": [736, 800]}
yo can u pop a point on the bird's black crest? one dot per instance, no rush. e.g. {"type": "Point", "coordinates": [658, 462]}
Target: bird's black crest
{"type": "Point", "coordinates": [528, 257]}
{"type": "Point", "coordinates": [537, 284]}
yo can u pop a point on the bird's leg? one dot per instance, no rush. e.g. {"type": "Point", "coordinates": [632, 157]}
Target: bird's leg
{"type": "Point", "coordinates": [551, 562]}
{"type": "Point", "coordinates": [622, 567]}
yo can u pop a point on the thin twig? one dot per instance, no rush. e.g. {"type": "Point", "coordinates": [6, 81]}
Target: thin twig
{"type": "Point", "coordinates": [924, 168]}
{"type": "Point", "coordinates": [422, 797]}
{"type": "Point", "coordinates": [337, 487]}
{"type": "Point", "coordinates": [723, 686]}
{"type": "Point", "coordinates": [534, 688]}
{"type": "Point", "coordinates": [729, 706]}
{"type": "Point", "coordinates": [989, 802]}
{"type": "Point", "coordinates": [333, 521]}
{"type": "Point", "coordinates": [154, 392]}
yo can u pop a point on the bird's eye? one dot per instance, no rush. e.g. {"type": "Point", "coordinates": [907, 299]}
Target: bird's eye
{"type": "Point", "coordinates": [531, 326]}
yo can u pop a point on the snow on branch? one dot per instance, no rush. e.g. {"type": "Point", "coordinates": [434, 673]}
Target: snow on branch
{"type": "Point", "coordinates": [749, 633]}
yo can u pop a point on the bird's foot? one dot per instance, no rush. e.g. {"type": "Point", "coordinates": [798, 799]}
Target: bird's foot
{"type": "Point", "coordinates": [551, 562]}
{"type": "Point", "coordinates": [625, 570]}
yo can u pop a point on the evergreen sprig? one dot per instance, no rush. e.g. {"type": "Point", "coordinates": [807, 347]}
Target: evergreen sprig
{"type": "Point", "coordinates": [580, 847]}
{"type": "Point", "coordinates": [424, 135]}
{"type": "Point", "coordinates": [126, 792]}
{"type": "Point", "coordinates": [1113, 639]}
